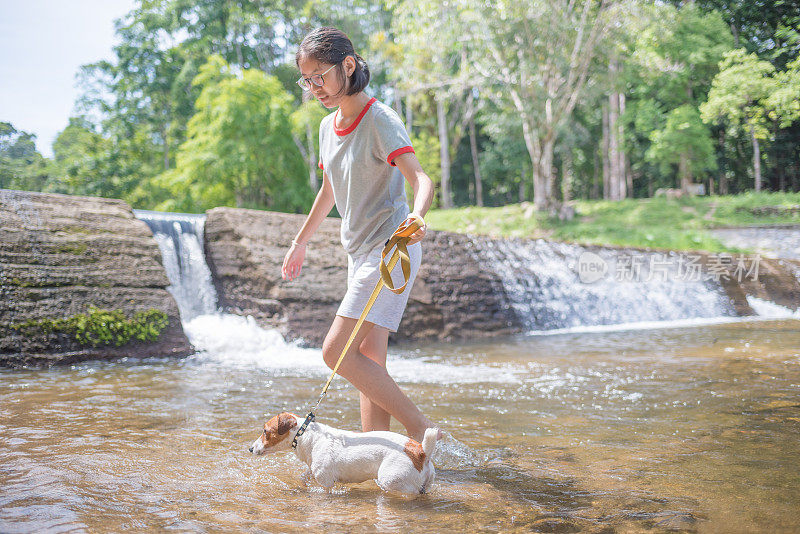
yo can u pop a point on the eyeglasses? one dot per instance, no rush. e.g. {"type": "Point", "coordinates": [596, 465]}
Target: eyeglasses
{"type": "Point", "coordinates": [316, 79]}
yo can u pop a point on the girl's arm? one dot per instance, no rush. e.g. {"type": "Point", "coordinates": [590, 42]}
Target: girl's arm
{"type": "Point", "coordinates": [423, 189]}
{"type": "Point", "coordinates": [322, 206]}
{"type": "Point", "coordinates": [420, 182]}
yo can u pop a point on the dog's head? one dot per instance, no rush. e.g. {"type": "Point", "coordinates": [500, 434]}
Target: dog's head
{"type": "Point", "coordinates": [277, 434]}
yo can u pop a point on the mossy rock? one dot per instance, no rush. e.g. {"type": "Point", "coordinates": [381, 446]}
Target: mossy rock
{"type": "Point", "coordinates": [101, 327]}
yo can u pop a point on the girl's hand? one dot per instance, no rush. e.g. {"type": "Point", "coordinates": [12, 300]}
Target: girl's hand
{"type": "Point", "coordinates": [293, 262]}
{"type": "Point", "coordinates": [417, 236]}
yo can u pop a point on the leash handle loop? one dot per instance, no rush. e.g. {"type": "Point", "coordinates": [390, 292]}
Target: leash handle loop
{"type": "Point", "coordinates": [399, 239]}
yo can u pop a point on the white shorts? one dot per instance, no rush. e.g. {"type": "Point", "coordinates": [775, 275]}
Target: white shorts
{"type": "Point", "coordinates": [363, 273]}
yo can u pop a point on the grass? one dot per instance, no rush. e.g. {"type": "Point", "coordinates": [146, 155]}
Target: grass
{"type": "Point", "coordinates": [656, 223]}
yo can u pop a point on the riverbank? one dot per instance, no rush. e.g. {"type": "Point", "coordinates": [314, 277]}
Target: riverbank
{"type": "Point", "coordinates": [656, 223]}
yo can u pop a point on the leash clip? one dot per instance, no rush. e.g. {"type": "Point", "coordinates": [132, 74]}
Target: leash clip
{"type": "Point", "coordinates": [302, 430]}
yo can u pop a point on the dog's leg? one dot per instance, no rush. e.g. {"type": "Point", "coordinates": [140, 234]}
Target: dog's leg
{"type": "Point", "coordinates": [306, 477]}
{"type": "Point", "coordinates": [324, 477]}
{"type": "Point", "coordinates": [390, 478]}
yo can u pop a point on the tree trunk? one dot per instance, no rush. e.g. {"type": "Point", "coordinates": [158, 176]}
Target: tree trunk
{"type": "Point", "coordinates": [604, 152]}
{"type": "Point", "coordinates": [312, 159]}
{"type": "Point", "coordinates": [444, 153]}
{"type": "Point", "coordinates": [756, 159]}
{"type": "Point", "coordinates": [595, 192]}
{"type": "Point", "coordinates": [473, 143]}
{"type": "Point", "coordinates": [613, 146]}
{"type": "Point", "coordinates": [628, 177]}
{"type": "Point", "coordinates": [723, 176]}
{"type": "Point", "coordinates": [547, 170]}
{"type": "Point", "coordinates": [566, 177]}
{"type": "Point", "coordinates": [685, 173]}
{"type": "Point", "coordinates": [780, 169]}
{"type": "Point", "coordinates": [409, 115]}
{"type": "Point", "coordinates": [396, 104]}
{"type": "Point", "coordinates": [625, 181]}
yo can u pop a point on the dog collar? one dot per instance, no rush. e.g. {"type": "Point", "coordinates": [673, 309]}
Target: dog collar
{"type": "Point", "coordinates": [302, 430]}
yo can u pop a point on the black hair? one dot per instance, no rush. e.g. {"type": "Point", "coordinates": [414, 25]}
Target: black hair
{"type": "Point", "coordinates": [330, 45]}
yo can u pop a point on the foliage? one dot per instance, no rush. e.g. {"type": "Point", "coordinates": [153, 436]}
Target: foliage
{"type": "Point", "coordinates": [739, 92]}
{"type": "Point", "coordinates": [426, 149]}
{"type": "Point", "coordinates": [237, 152]}
{"type": "Point", "coordinates": [684, 134]}
{"type": "Point", "coordinates": [21, 166]}
{"type": "Point", "coordinates": [183, 116]}
{"type": "Point", "coordinates": [101, 327]}
{"type": "Point", "coordinates": [784, 101]}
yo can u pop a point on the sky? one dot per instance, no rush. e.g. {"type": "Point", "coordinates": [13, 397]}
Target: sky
{"type": "Point", "coordinates": [42, 45]}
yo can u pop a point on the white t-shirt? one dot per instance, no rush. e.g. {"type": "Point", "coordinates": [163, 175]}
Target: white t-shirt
{"type": "Point", "coordinates": [368, 188]}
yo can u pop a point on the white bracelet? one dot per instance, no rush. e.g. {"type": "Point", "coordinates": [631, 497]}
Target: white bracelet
{"type": "Point", "coordinates": [294, 242]}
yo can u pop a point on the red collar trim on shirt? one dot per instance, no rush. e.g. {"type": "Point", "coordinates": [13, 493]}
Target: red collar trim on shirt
{"type": "Point", "coordinates": [355, 122]}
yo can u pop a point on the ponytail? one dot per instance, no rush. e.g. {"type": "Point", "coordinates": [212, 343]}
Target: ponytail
{"type": "Point", "coordinates": [360, 77]}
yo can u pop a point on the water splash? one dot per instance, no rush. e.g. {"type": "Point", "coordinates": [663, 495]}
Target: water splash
{"type": "Point", "coordinates": [453, 454]}
{"type": "Point", "coordinates": [765, 308]}
{"type": "Point", "coordinates": [236, 341]}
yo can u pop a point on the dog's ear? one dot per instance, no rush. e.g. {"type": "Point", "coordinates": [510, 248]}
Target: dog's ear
{"type": "Point", "coordinates": [286, 422]}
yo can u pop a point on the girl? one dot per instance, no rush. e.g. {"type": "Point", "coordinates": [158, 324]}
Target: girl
{"type": "Point", "coordinates": [362, 146]}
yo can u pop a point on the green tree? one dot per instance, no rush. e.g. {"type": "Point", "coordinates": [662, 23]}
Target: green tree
{"type": "Point", "coordinates": [80, 155]}
{"type": "Point", "coordinates": [237, 152]}
{"type": "Point", "coordinates": [535, 58]}
{"type": "Point", "coordinates": [784, 102]}
{"type": "Point", "coordinates": [684, 140]}
{"type": "Point", "coordinates": [21, 165]}
{"type": "Point", "coordinates": [679, 53]}
{"type": "Point", "coordinates": [739, 96]}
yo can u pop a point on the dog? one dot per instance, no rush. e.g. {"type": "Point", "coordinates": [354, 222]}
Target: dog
{"type": "Point", "coordinates": [396, 462]}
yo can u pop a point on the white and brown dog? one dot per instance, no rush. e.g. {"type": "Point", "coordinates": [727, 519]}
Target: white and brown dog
{"type": "Point", "coordinates": [396, 462]}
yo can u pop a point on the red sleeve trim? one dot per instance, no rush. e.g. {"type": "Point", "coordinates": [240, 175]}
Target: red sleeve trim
{"type": "Point", "coordinates": [320, 165]}
{"type": "Point", "coordinates": [397, 152]}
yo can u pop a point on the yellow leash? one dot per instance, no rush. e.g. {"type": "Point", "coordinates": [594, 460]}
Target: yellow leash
{"type": "Point", "coordinates": [399, 242]}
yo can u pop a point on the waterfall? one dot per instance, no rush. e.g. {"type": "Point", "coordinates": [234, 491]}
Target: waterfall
{"type": "Point", "coordinates": [542, 285]}
{"type": "Point", "coordinates": [180, 238]}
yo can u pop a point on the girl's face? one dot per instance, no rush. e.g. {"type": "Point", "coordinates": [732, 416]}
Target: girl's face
{"type": "Point", "coordinates": [331, 85]}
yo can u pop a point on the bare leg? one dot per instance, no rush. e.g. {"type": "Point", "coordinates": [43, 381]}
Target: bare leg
{"type": "Point", "coordinates": [369, 377]}
{"type": "Point", "coordinates": [375, 346]}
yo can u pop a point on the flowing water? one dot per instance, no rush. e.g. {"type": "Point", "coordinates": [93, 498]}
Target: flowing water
{"type": "Point", "coordinates": [689, 425]}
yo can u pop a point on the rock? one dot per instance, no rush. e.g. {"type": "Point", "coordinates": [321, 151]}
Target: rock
{"type": "Point", "coordinates": [553, 524]}
{"type": "Point", "coordinates": [454, 296]}
{"type": "Point", "coordinates": [670, 193]}
{"type": "Point", "coordinates": [774, 280]}
{"type": "Point", "coordinates": [771, 210]}
{"type": "Point", "coordinates": [679, 521]}
{"type": "Point", "coordinates": [61, 254]}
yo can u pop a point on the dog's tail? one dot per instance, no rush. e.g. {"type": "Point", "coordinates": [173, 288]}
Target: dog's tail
{"type": "Point", "coordinates": [429, 441]}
